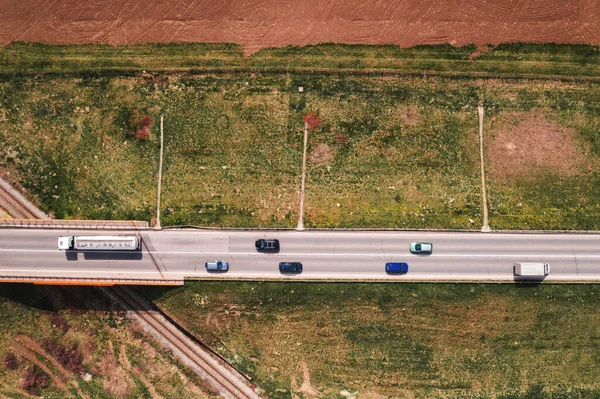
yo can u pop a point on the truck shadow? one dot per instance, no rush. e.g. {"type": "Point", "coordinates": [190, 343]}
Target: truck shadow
{"type": "Point", "coordinates": [104, 255]}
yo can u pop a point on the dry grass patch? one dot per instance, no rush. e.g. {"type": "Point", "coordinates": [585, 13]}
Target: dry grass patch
{"type": "Point", "coordinates": [322, 154]}
{"type": "Point", "coordinates": [524, 143]}
{"type": "Point", "coordinates": [117, 380]}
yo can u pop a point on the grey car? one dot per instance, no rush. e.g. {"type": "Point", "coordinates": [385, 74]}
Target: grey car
{"type": "Point", "coordinates": [217, 266]}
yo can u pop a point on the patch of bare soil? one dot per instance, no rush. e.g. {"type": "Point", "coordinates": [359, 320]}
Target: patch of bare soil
{"type": "Point", "coordinates": [411, 115]}
{"type": "Point", "coordinates": [4, 215]}
{"type": "Point", "coordinates": [322, 154]}
{"type": "Point", "coordinates": [534, 143]}
{"type": "Point", "coordinates": [271, 23]}
{"type": "Point", "coordinates": [307, 389]}
{"type": "Point", "coordinates": [481, 49]}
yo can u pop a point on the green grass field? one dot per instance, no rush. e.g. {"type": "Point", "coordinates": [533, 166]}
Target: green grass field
{"type": "Point", "coordinates": [528, 60]}
{"type": "Point", "coordinates": [401, 340]}
{"type": "Point", "coordinates": [392, 151]}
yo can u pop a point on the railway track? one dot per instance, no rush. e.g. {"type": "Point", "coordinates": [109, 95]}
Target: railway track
{"type": "Point", "coordinates": [14, 205]}
{"type": "Point", "coordinates": [226, 380]}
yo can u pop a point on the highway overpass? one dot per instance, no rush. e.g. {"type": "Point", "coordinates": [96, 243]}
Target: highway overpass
{"type": "Point", "coordinates": [170, 256]}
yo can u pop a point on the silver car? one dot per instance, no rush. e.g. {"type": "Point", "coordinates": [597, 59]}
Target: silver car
{"type": "Point", "coordinates": [217, 266]}
{"type": "Point", "coordinates": [421, 247]}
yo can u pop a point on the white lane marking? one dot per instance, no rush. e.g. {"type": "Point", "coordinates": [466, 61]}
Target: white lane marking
{"type": "Point", "coordinates": [288, 254]}
{"type": "Point", "coordinates": [388, 255]}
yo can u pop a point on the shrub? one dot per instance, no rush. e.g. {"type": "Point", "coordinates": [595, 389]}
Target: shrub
{"type": "Point", "coordinates": [70, 357]}
{"type": "Point", "coordinates": [140, 125]}
{"type": "Point", "coordinates": [34, 379]}
{"type": "Point", "coordinates": [10, 361]}
{"type": "Point", "coordinates": [312, 120]}
{"type": "Point", "coordinates": [58, 322]}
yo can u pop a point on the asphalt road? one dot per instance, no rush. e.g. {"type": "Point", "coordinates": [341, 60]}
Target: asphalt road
{"type": "Point", "coordinates": [171, 255]}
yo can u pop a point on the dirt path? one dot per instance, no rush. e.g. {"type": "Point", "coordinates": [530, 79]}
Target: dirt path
{"type": "Point", "coordinates": [29, 355]}
{"type": "Point", "coordinates": [65, 375]}
{"type": "Point", "coordinates": [272, 23]}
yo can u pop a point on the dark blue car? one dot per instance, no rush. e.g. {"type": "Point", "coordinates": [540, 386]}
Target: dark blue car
{"type": "Point", "coordinates": [290, 267]}
{"type": "Point", "coordinates": [396, 267]}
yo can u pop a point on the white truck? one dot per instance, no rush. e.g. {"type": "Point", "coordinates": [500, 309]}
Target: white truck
{"type": "Point", "coordinates": [531, 269]}
{"type": "Point", "coordinates": [100, 243]}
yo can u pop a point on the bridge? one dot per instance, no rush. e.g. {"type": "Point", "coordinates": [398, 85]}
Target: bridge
{"type": "Point", "coordinates": [169, 257]}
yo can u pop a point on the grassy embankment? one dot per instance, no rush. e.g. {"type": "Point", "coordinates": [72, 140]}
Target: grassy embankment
{"type": "Point", "coordinates": [506, 59]}
{"type": "Point", "coordinates": [55, 335]}
{"type": "Point", "coordinates": [401, 341]}
{"type": "Point", "coordinates": [392, 151]}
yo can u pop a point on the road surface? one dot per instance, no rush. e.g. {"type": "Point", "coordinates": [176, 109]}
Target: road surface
{"type": "Point", "coordinates": [169, 256]}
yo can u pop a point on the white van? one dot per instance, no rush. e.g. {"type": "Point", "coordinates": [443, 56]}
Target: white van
{"type": "Point", "coordinates": [531, 269]}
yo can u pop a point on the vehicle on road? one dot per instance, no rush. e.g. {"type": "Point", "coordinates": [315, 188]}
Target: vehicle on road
{"type": "Point", "coordinates": [217, 266]}
{"type": "Point", "coordinates": [421, 247]}
{"type": "Point", "coordinates": [290, 267]}
{"type": "Point", "coordinates": [264, 245]}
{"type": "Point", "coordinates": [396, 267]}
{"type": "Point", "coordinates": [100, 243]}
{"type": "Point", "coordinates": [531, 269]}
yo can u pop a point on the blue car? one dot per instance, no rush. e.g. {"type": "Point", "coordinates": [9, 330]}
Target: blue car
{"type": "Point", "coordinates": [396, 267]}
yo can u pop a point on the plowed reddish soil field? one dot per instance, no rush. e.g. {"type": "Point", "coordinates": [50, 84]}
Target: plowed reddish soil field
{"type": "Point", "coordinates": [271, 23]}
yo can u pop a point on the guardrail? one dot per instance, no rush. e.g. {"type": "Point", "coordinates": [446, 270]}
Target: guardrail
{"type": "Point", "coordinates": [46, 280]}
{"type": "Point", "coordinates": [75, 224]}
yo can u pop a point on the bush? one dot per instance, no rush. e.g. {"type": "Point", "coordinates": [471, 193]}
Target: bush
{"type": "Point", "coordinates": [10, 361]}
{"type": "Point", "coordinates": [34, 379]}
{"type": "Point", "coordinates": [312, 120]}
{"type": "Point", "coordinates": [58, 322]}
{"type": "Point", "coordinates": [141, 126]}
{"type": "Point", "coordinates": [69, 357]}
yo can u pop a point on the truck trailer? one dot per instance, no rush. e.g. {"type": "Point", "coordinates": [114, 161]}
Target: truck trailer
{"type": "Point", "coordinates": [531, 269]}
{"type": "Point", "coordinates": [100, 243]}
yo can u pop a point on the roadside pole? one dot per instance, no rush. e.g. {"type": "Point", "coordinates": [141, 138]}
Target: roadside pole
{"type": "Point", "coordinates": [301, 213]}
{"type": "Point", "coordinates": [485, 228]}
{"type": "Point", "coordinates": [157, 225]}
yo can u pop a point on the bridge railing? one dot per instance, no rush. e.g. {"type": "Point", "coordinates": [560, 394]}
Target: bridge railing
{"type": "Point", "coordinates": [75, 224]}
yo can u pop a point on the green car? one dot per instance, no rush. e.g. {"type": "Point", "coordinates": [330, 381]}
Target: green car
{"type": "Point", "coordinates": [421, 247]}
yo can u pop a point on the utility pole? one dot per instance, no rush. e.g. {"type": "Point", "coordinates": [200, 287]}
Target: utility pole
{"type": "Point", "coordinates": [486, 227]}
{"type": "Point", "coordinates": [157, 225]}
{"type": "Point", "coordinates": [301, 215]}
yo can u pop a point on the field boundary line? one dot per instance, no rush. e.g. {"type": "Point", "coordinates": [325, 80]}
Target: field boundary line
{"type": "Point", "coordinates": [374, 72]}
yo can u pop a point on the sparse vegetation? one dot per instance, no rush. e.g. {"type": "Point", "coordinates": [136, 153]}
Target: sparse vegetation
{"type": "Point", "coordinates": [403, 340]}
{"type": "Point", "coordinates": [43, 360]}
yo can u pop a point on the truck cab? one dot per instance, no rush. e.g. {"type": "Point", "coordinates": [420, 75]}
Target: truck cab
{"type": "Point", "coordinates": [65, 242]}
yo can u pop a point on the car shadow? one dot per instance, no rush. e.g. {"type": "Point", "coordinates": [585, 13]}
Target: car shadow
{"type": "Point", "coordinates": [528, 282]}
